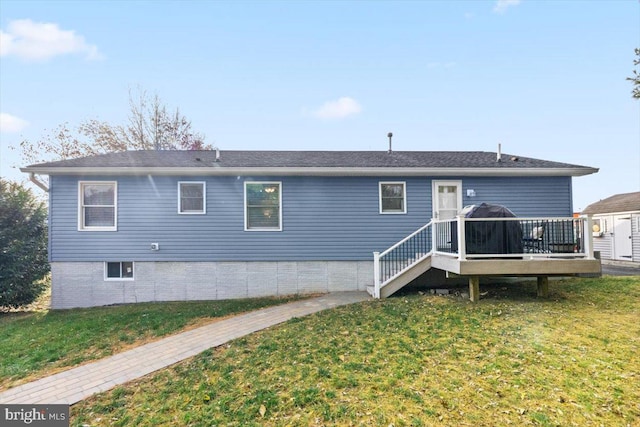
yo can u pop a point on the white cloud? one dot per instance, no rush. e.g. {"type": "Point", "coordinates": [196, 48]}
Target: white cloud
{"type": "Point", "coordinates": [338, 109]}
{"type": "Point", "coordinates": [11, 124]}
{"type": "Point", "coordinates": [501, 6]}
{"type": "Point", "coordinates": [39, 41]}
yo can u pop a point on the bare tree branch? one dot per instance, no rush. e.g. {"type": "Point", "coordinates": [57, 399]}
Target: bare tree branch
{"type": "Point", "coordinates": [635, 79]}
{"type": "Point", "coordinates": [149, 127]}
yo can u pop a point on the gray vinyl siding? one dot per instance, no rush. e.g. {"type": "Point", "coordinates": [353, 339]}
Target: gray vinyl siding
{"type": "Point", "coordinates": [527, 197]}
{"type": "Point", "coordinates": [323, 218]}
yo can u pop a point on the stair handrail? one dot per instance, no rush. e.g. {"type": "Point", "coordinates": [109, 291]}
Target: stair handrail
{"type": "Point", "coordinates": [377, 256]}
{"type": "Point", "coordinates": [419, 230]}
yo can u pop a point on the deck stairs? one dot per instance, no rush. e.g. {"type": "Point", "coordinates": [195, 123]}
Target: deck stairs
{"type": "Point", "coordinates": [407, 275]}
{"type": "Point", "coordinates": [402, 263]}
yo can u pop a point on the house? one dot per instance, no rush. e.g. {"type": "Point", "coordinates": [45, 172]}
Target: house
{"type": "Point", "coordinates": [193, 225]}
{"type": "Point", "coordinates": [616, 227]}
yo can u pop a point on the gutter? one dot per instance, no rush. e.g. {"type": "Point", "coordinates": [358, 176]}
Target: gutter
{"type": "Point", "coordinates": [32, 178]}
{"type": "Point", "coordinates": [311, 171]}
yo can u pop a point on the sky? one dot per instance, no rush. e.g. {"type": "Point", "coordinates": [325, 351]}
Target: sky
{"type": "Point", "coordinates": [545, 79]}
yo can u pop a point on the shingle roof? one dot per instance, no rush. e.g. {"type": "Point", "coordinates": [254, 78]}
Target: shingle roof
{"type": "Point", "coordinates": [627, 202]}
{"type": "Point", "coordinates": [305, 159]}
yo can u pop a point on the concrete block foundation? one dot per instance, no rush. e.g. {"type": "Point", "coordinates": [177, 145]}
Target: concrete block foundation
{"type": "Point", "coordinates": [83, 284]}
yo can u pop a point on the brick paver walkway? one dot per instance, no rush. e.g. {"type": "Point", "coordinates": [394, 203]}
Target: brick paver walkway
{"type": "Point", "coordinates": [76, 384]}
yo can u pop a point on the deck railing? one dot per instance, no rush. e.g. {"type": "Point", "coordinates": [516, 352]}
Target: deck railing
{"type": "Point", "coordinates": [467, 238]}
{"type": "Point", "coordinates": [402, 255]}
{"type": "Point", "coordinates": [474, 238]}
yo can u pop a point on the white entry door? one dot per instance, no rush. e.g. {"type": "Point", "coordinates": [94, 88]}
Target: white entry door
{"type": "Point", "coordinates": [447, 199]}
{"type": "Point", "coordinates": [622, 238]}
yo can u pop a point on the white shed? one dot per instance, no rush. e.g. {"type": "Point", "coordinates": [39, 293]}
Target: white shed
{"type": "Point", "coordinates": [616, 227]}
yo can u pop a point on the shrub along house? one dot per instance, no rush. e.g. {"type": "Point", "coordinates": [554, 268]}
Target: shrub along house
{"type": "Point", "coordinates": [192, 225]}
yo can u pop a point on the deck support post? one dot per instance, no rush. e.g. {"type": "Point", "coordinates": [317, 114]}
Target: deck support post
{"type": "Point", "coordinates": [543, 286]}
{"type": "Point", "coordinates": [474, 288]}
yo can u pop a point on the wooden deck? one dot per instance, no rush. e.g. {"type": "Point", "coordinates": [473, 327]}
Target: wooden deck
{"type": "Point", "coordinates": [533, 267]}
{"type": "Point", "coordinates": [565, 249]}
{"type": "Point", "coordinates": [516, 267]}
{"type": "Point", "coordinates": [540, 268]}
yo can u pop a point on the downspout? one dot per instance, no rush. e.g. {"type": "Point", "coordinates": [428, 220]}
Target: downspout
{"type": "Point", "coordinates": [32, 178]}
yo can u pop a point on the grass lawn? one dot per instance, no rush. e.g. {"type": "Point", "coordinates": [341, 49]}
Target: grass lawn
{"type": "Point", "coordinates": [412, 360]}
{"type": "Point", "coordinates": [38, 343]}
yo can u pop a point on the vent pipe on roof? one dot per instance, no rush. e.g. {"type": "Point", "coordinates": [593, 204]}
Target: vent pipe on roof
{"type": "Point", "coordinates": [390, 135]}
{"type": "Point", "coordinates": [499, 154]}
{"type": "Point", "coordinates": [217, 153]}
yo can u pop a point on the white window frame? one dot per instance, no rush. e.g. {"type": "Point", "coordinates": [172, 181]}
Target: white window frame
{"type": "Point", "coordinates": [119, 279]}
{"type": "Point", "coordinates": [404, 197]}
{"type": "Point", "coordinates": [246, 217]}
{"type": "Point", "coordinates": [601, 224]}
{"type": "Point", "coordinates": [204, 198]}
{"type": "Point", "coordinates": [81, 206]}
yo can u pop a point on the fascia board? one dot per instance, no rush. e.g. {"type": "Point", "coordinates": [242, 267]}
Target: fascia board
{"type": "Point", "coordinates": [309, 171]}
{"type": "Point", "coordinates": [616, 213]}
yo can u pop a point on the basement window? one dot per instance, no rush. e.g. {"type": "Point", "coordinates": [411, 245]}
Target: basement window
{"type": "Point", "coordinates": [121, 270]}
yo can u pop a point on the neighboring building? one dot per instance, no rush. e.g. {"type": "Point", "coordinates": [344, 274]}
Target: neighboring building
{"type": "Point", "coordinates": [192, 225]}
{"type": "Point", "coordinates": [616, 227]}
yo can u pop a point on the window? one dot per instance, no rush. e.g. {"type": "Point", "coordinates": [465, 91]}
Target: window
{"type": "Point", "coordinates": [118, 270]}
{"type": "Point", "coordinates": [263, 206]}
{"type": "Point", "coordinates": [97, 206]}
{"type": "Point", "coordinates": [191, 198]}
{"type": "Point", "coordinates": [599, 227]}
{"type": "Point", "coordinates": [393, 198]}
